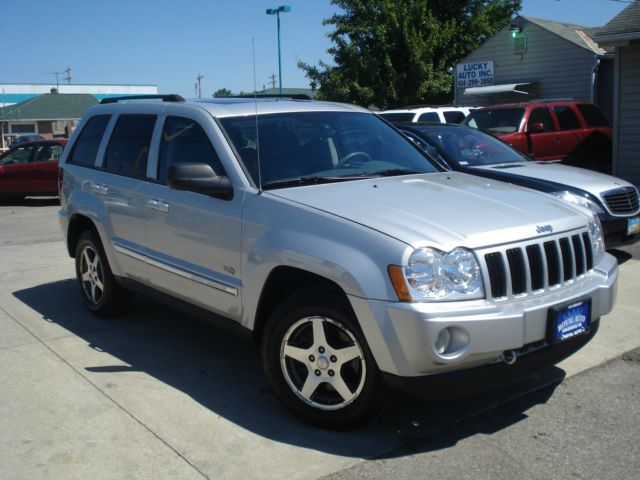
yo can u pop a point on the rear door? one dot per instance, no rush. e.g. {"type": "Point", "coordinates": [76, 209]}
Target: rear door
{"type": "Point", "coordinates": [40, 175]}
{"type": "Point", "coordinates": [570, 130]}
{"type": "Point", "coordinates": [119, 186]}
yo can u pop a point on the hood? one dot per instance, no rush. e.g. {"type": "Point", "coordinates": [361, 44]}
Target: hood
{"type": "Point", "coordinates": [593, 182]}
{"type": "Point", "coordinates": [443, 210]}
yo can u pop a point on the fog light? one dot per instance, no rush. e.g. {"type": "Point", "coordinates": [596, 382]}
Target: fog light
{"type": "Point", "coordinates": [443, 341]}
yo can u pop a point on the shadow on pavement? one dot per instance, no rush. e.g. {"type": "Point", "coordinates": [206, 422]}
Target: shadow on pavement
{"type": "Point", "coordinates": [222, 372]}
{"type": "Point", "coordinates": [30, 201]}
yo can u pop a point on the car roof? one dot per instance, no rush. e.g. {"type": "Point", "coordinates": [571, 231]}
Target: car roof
{"type": "Point", "coordinates": [61, 141]}
{"type": "Point", "coordinates": [425, 108]}
{"type": "Point", "coordinates": [232, 106]}
{"type": "Point", "coordinates": [533, 103]}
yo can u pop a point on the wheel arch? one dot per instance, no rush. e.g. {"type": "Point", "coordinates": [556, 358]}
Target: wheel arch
{"type": "Point", "coordinates": [284, 281]}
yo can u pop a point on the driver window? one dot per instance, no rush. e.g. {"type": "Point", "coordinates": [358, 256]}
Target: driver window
{"type": "Point", "coordinates": [184, 141]}
{"type": "Point", "coordinates": [542, 115]}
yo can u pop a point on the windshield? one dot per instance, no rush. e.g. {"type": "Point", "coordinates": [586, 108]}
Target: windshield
{"type": "Point", "coordinates": [299, 148]}
{"type": "Point", "coordinates": [467, 147]}
{"type": "Point", "coordinates": [499, 120]}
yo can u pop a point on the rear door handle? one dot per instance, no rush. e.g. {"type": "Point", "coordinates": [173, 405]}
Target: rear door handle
{"type": "Point", "coordinates": [158, 206]}
{"type": "Point", "coordinates": [99, 189]}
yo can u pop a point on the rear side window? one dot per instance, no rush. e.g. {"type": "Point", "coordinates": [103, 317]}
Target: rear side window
{"type": "Point", "coordinates": [128, 148]}
{"type": "Point", "coordinates": [567, 118]}
{"type": "Point", "coordinates": [454, 116]}
{"type": "Point", "coordinates": [184, 140]}
{"type": "Point", "coordinates": [86, 147]}
{"type": "Point", "coordinates": [397, 117]}
{"type": "Point", "coordinates": [429, 117]}
{"type": "Point", "coordinates": [593, 115]}
{"type": "Point", "coordinates": [542, 115]}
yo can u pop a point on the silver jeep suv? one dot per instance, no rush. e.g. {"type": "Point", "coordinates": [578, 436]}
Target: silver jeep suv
{"type": "Point", "coordinates": [350, 257]}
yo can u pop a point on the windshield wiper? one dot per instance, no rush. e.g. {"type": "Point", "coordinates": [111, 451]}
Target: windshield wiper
{"type": "Point", "coordinates": [311, 180]}
{"type": "Point", "coordinates": [392, 172]}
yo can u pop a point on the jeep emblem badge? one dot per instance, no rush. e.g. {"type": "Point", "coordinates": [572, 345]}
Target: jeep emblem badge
{"type": "Point", "coordinates": [544, 229]}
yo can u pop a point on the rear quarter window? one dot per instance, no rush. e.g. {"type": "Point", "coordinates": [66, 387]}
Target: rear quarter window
{"type": "Point", "coordinates": [454, 116]}
{"type": "Point", "coordinates": [429, 117]}
{"type": "Point", "coordinates": [593, 115]}
{"type": "Point", "coordinates": [86, 147]}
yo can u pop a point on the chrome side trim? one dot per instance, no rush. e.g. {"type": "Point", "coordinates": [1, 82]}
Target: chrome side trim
{"type": "Point", "coordinates": [181, 272]}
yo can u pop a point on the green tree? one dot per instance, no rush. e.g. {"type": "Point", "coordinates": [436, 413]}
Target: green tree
{"type": "Point", "coordinates": [389, 53]}
{"type": "Point", "coordinates": [222, 92]}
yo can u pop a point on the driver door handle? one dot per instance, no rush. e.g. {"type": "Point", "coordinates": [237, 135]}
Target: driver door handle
{"type": "Point", "coordinates": [158, 206]}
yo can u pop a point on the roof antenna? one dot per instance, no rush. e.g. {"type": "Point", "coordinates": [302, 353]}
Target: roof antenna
{"type": "Point", "coordinates": [255, 104]}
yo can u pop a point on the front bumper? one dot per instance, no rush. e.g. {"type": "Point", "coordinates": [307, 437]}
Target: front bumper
{"type": "Point", "coordinates": [401, 335]}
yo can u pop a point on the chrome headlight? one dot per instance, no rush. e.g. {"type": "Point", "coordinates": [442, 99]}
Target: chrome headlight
{"type": "Point", "coordinates": [597, 239]}
{"type": "Point", "coordinates": [579, 200]}
{"type": "Point", "coordinates": [434, 275]}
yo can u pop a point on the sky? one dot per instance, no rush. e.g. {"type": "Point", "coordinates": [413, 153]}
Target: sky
{"type": "Point", "coordinates": [168, 43]}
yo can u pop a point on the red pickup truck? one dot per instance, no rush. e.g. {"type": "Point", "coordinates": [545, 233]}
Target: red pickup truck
{"type": "Point", "coordinates": [575, 132]}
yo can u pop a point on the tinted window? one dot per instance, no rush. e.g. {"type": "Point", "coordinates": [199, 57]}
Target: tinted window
{"type": "Point", "coordinates": [542, 115]}
{"type": "Point", "coordinates": [499, 120]}
{"type": "Point", "coordinates": [468, 147]}
{"type": "Point", "coordinates": [183, 140]}
{"type": "Point", "coordinates": [86, 147]}
{"type": "Point", "coordinates": [19, 155]}
{"type": "Point", "coordinates": [593, 115]}
{"type": "Point", "coordinates": [47, 152]}
{"type": "Point", "coordinates": [429, 117]}
{"type": "Point", "coordinates": [454, 116]}
{"type": "Point", "coordinates": [325, 146]}
{"type": "Point", "coordinates": [128, 148]}
{"type": "Point", "coordinates": [397, 117]}
{"type": "Point", "coordinates": [567, 118]}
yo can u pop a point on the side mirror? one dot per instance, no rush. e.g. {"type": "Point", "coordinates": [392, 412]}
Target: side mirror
{"type": "Point", "coordinates": [199, 178]}
{"type": "Point", "coordinates": [535, 127]}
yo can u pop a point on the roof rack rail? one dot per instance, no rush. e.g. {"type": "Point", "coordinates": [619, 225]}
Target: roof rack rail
{"type": "Point", "coordinates": [559, 99]}
{"type": "Point", "coordinates": [165, 98]}
{"type": "Point", "coordinates": [295, 96]}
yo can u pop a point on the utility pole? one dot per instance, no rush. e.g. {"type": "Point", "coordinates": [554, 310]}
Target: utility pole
{"type": "Point", "coordinates": [273, 80]}
{"type": "Point", "coordinates": [199, 85]}
{"type": "Point", "coordinates": [68, 77]}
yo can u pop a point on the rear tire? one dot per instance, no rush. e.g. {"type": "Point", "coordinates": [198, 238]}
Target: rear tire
{"type": "Point", "coordinates": [318, 361]}
{"type": "Point", "coordinates": [102, 294]}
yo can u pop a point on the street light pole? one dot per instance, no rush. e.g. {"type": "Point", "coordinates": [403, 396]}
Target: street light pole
{"type": "Point", "coordinates": [276, 12]}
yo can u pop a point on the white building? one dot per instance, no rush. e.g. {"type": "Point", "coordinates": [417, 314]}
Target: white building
{"type": "Point", "coordinates": [11, 93]}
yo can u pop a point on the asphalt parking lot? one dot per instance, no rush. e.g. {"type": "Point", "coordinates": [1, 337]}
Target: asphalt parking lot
{"type": "Point", "coordinates": [157, 394]}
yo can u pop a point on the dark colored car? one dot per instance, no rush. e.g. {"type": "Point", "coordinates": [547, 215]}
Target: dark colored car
{"type": "Point", "coordinates": [469, 150]}
{"type": "Point", "coordinates": [25, 138]}
{"type": "Point", "coordinates": [31, 169]}
{"type": "Point", "coordinates": [576, 132]}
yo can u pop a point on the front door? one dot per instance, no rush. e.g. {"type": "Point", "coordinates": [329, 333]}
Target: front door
{"type": "Point", "coordinates": [193, 239]}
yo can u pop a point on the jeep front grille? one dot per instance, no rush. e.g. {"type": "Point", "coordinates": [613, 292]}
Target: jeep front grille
{"type": "Point", "coordinates": [622, 201]}
{"type": "Point", "coordinates": [538, 266]}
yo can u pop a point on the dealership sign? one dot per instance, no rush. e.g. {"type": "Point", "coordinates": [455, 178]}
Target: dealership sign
{"type": "Point", "coordinates": [474, 74]}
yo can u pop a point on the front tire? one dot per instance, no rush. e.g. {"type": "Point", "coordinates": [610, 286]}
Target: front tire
{"type": "Point", "coordinates": [102, 294]}
{"type": "Point", "coordinates": [319, 363]}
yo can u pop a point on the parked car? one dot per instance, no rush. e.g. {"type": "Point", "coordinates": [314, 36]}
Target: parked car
{"type": "Point", "coordinates": [576, 132]}
{"type": "Point", "coordinates": [464, 149]}
{"type": "Point", "coordinates": [25, 138]}
{"type": "Point", "coordinates": [422, 113]}
{"type": "Point", "coordinates": [31, 169]}
{"type": "Point", "coordinates": [353, 260]}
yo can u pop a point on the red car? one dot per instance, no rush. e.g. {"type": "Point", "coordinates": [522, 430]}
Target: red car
{"type": "Point", "coordinates": [575, 132]}
{"type": "Point", "coordinates": [31, 169]}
